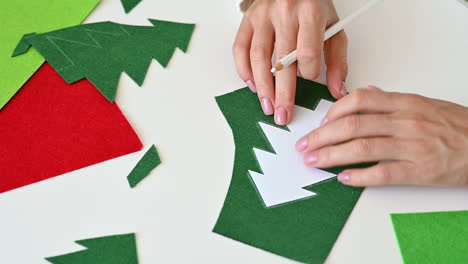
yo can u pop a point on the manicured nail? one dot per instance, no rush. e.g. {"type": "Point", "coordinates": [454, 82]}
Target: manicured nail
{"type": "Point", "coordinates": [344, 91]}
{"type": "Point", "coordinates": [343, 177]}
{"type": "Point", "coordinates": [324, 121]}
{"type": "Point", "coordinates": [301, 145]}
{"type": "Point", "coordinates": [372, 87]}
{"type": "Point", "coordinates": [251, 85]}
{"type": "Point", "coordinates": [311, 158]}
{"type": "Point", "coordinates": [281, 116]}
{"type": "Point", "coordinates": [267, 106]}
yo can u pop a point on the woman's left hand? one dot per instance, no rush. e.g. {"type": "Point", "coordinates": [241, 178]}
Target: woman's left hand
{"type": "Point", "coordinates": [418, 140]}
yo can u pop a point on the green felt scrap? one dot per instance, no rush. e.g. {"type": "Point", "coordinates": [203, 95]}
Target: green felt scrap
{"type": "Point", "coordinates": [19, 17]}
{"type": "Point", "coordinates": [128, 5]}
{"type": "Point", "coordinates": [147, 163]}
{"type": "Point", "coordinates": [303, 230]}
{"type": "Point", "coordinates": [432, 238]}
{"type": "Point", "coordinates": [116, 249]}
{"type": "Point", "coordinates": [101, 51]}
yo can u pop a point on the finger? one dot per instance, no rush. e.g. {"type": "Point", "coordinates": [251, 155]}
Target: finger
{"type": "Point", "coordinates": [286, 39]}
{"type": "Point", "coordinates": [357, 151]}
{"type": "Point", "coordinates": [336, 49]}
{"type": "Point", "coordinates": [310, 40]}
{"type": "Point", "coordinates": [241, 52]}
{"type": "Point", "coordinates": [336, 54]}
{"type": "Point", "coordinates": [363, 101]}
{"type": "Point", "coordinates": [392, 172]}
{"type": "Point", "coordinates": [345, 129]}
{"type": "Point", "coordinates": [260, 59]}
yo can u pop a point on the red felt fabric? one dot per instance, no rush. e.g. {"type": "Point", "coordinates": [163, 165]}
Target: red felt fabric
{"type": "Point", "coordinates": [51, 127]}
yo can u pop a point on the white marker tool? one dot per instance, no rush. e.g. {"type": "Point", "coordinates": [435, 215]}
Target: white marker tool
{"type": "Point", "coordinates": [330, 32]}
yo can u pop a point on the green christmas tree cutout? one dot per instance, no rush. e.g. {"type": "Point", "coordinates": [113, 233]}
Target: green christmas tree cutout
{"type": "Point", "coordinates": [117, 249]}
{"type": "Point", "coordinates": [303, 230]}
{"type": "Point", "coordinates": [101, 51]}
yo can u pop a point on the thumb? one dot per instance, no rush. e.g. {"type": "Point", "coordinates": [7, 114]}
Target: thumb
{"type": "Point", "coordinates": [336, 59]}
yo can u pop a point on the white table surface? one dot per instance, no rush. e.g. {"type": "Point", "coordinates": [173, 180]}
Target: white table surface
{"type": "Point", "coordinates": [418, 46]}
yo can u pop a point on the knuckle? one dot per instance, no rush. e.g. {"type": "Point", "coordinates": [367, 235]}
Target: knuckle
{"type": "Point", "coordinates": [258, 54]}
{"type": "Point", "coordinates": [308, 55]}
{"type": "Point", "coordinates": [362, 147]}
{"type": "Point", "coordinates": [383, 176]}
{"type": "Point", "coordinates": [359, 96]}
{"type": "Point", "coordinates": [284, 95]}
{"type": "Point", "coordinates": [351, 124]}
{"type": "Point", "coordinates": [325, 156]}
{"type": "Point", "coordinates": [315, 138]}
{"type": "Point", "coordinates": [239, 47]}
{"type": "Point", "coordinates": [412, 99]}
{"type": "Point", "coordinates": [314, 11]}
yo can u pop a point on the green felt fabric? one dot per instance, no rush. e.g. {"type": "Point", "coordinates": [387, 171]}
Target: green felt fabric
{"type": "Point", "coordinates": [116, 249]}
{"type": "Point", "coordinates": [101, 51]}
{"type": "Point", "coordinates": [147, 163]}
{"type": "Point", "coordinates": [303, 230]}
{"type": "Point", "coordinates": [19, 17]}
{"type": "Point", "coordinates": [128, 5]}
{"type": "Point", "coordinates": [432, 238]}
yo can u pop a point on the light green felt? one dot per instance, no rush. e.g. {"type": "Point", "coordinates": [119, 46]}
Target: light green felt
{"type": "Point", "coordinates": [432, 238]}
{"type": "Point", "coordinates": [128, 5]}
{"type": "Point", "coordinates": [117, 249]}
{"type": "Point", "coordinates": [19, 17]}
{"type": "Point", "coordinates": [303, 230]}
{"type": "Point", "coordinates": [147, 163]}
{"type": "Point", "coordinates": [101, 51]}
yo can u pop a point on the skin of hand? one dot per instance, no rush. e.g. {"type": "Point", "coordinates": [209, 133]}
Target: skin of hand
{"type": "Point", "coordinates": [284, 26]}
{"type": "Point", "coordinates": [418, 140]}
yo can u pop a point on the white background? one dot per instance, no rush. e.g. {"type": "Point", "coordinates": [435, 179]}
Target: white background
{"type": "Point", "coordinates": [418, 46]}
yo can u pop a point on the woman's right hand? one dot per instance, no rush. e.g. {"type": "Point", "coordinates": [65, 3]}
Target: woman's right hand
{"type": "Point", "coordinates": [287, 25]}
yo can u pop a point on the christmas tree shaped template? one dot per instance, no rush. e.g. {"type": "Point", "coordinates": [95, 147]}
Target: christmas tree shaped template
{"type": "Point", "coordinates": [304, 230]}
{"type": "Point", "coordinates": [284, 173]}
{"type": "Point", "coordinates": [116, 249]}
{"type": "Point", "coordinates": [101, 51]}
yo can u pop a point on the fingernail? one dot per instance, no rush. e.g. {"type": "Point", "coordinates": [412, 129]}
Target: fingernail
{"type": "Point", "coordinates": [267, 106]}
{"type": "Point", "coordinates": [281, 116]}
{"type": "Point", "coordinates": [324, 121]}
{"type": "Point", "coordinates": [311, 158]}
{"type": "Point", "coordinates": [372, 87]}
{"type": "Point", "coordinates": [343, 177]}
{"type": "Point", "coordinates": [344, 91]}
{"type": "Point", "coordinates": [301, 145]}
{"type": "Point", "coordinates": [251, 85]}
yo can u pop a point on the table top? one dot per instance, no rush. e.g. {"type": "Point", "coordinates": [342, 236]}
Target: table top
{"type": "Point", "coordinates": [417, 46]}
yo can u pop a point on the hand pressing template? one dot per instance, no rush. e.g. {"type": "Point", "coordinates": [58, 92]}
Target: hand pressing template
{"type": "Point", "coordinates": [417, 140]}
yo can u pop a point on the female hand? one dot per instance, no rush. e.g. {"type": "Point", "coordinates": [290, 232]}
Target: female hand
{"type": "Point", "coordinates": [288, 25]}
{"type": "Point", "coordinates": [418, 140]}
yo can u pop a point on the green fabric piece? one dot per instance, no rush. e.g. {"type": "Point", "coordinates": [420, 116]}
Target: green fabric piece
{"type": "Point", "coordinates": [116, 249]}
{"type": "Point", "coordinates": [20, 17]}
{"type": "Point", "coordinates": [432, 238]}
{"type": "Point", "coordinates": [303, 230]}
{"type": "Point", "coordinates": [128, 5]}
{"type": "Point", "coordinates": [101, 51]}
{"type": "Point", "coordinates": [147, 163]}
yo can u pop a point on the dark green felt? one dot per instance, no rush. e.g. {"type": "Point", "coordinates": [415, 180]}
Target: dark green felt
{"type": "Point", "coordinates": [117, 249]}
{"type": "Point", "coordinates": [128, 5]}
{"type": "Point", "coordinates": [432, 238]}
{"type": "Point", "coordinates": [101, 51]}
{"type": "Point", "coordinates": [147, 163]}
{"type": "Point", "coordinates": [303, 230]}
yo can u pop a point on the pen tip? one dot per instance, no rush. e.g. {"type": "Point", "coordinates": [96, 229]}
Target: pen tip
{"type": "Point", "coordinates": [273, 70]}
